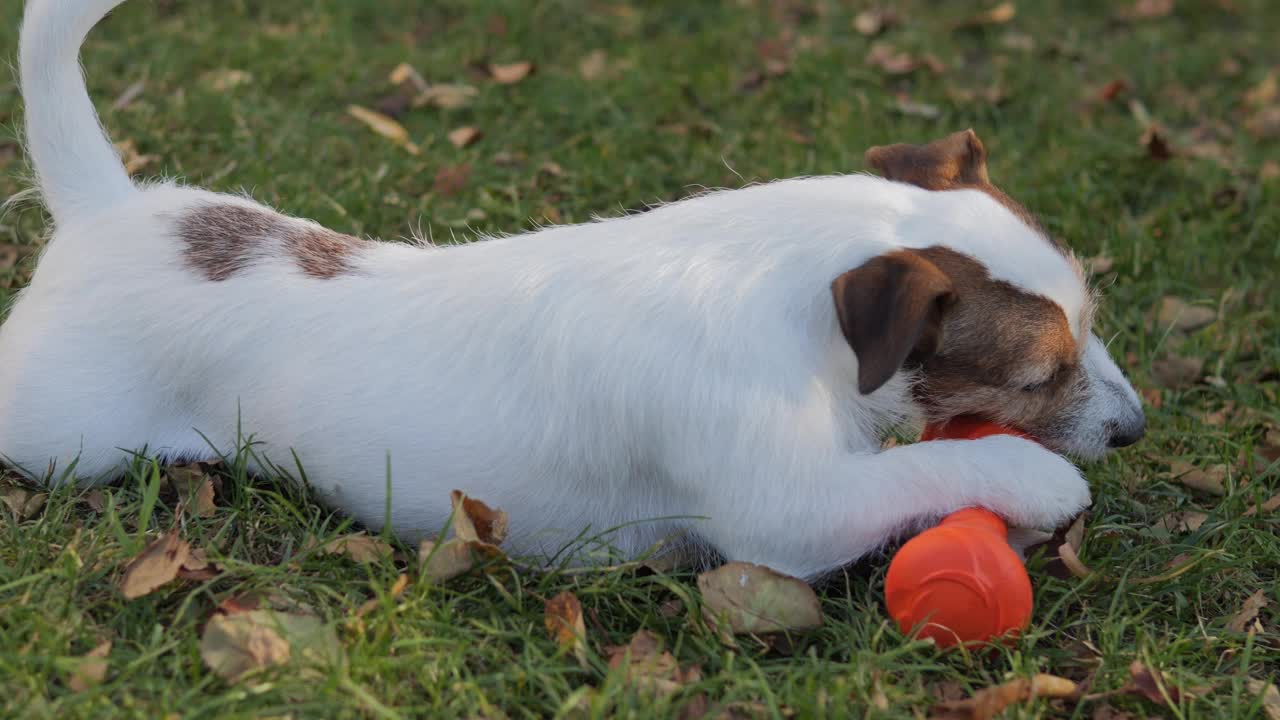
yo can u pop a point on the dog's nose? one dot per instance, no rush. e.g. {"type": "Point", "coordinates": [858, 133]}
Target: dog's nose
{"type": "Point", "coordinates": [1125, 434]}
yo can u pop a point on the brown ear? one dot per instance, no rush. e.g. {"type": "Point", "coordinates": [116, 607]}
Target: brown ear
{"type": "Point", "coordinates": [953, 161]}
{"type": "Point", "coordinates": [890, 310]}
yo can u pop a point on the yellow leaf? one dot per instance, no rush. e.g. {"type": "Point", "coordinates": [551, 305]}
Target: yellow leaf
{"type": "Point", "coordinates": [384, 126]}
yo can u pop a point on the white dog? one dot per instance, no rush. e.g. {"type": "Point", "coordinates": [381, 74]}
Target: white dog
{"type": "Point", "coordinates": [729, 363]}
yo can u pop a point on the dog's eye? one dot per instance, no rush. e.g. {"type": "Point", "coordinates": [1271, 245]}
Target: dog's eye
{"type": "Point", "coordinates": [1034, 386]}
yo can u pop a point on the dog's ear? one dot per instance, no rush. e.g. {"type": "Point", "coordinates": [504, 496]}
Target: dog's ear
{"type": "Point", "coordinates": [890, 310]}
{"type": "Point", "coordinates": [956, 160]}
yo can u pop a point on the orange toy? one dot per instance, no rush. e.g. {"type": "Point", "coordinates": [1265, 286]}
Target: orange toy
{"type": "Point", "coordinates": [960, 582]}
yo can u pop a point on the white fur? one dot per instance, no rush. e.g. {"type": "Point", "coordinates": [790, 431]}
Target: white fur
{"type": "Point", "coordinates": [682, 362]}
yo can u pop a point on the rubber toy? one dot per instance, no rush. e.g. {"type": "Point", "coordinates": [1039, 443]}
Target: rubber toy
{"type": "Point", "coordinates": [960, 582]}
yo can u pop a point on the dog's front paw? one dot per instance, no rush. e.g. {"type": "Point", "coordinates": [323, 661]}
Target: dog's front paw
{"type": "Point", "coordinates": [1031, 486]}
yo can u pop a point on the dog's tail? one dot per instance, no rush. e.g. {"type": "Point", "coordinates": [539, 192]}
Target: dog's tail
{"type": "Point", "coordinates": [76, 167]}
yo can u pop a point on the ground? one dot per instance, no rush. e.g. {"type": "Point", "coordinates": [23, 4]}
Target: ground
{"type": "Point", "coordinates": [1146, 139]}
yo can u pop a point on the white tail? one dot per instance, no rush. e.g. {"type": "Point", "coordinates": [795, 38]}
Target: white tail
{"type": "Point", "coordinates": [76, 166]}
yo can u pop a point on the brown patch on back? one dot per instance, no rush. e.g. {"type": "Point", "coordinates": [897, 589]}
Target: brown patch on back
{"type": "Point", "coordinates": [955, 162]}
{"type": "Point", "coordinates": [221, 240]}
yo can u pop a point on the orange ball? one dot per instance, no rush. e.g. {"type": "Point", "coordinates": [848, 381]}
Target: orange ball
{"type": "Point", "coordinates": [960, 582]}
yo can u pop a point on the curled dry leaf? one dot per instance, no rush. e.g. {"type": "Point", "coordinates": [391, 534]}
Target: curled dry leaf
{"type": "Point", "coordinates": [360, 547]}
{"type": "Point", "coordinates": [650, 668]}
{"type": "Point", "coordinates": [464, 136]}
{"type": "Point", "coordinates": [1211, 480]}
{"type": "Point", "coordinates": [755, 599]}
{"type": "Point", "coordinates": [563, 617]}
{"type": "Point", "coordinates": [1269, 695]}
{"type": "Point", "coordinates": [474, 520]}
{"type": "Point", "coordinates": [1178, 314]}
{"type": "Point", "coordinates": [1070, 536]}
{"type": "Point", "coordinates": [23, 503]}
{"type": "Point", "coordinates": [1177, 371]}
{"type": "Point", "coordinates": [91, 670]}
{"type": "Point", "coordinates": [510, 73]}
{"type": "Point", "coordinates": [1247, 618]}
{"type": "Point", "coordinates": [989, 702]}
{"type": "Point", "coordinates": [384, 126]}
{"type": "Point", "coordinates": [157, 565]}
{"type": "Point", "coordinates": [1071, 561]}
{"type": "Point", "coordinates": [1266, 506]}
{"type": "Point", "coordinates": [478, 530]}
{"type": "Point", "coordinates": [239, 644]}
{"type": "Point", "coordinates": [592, 65]}
{"type": "Point", "coordinates": [194, 488]}
{"type": "Point", "coordinates": [996, 15]}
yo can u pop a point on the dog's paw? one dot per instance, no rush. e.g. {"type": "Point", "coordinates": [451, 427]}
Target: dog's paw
{"type": "Point", "coordinates": [1031, 486]}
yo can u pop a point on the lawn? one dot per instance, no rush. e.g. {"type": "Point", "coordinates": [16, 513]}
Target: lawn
{"type": "Point", "coordinates": [1148, 140]}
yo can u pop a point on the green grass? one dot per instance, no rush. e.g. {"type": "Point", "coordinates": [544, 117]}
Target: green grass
{"type": "Point", "coordinates": [668, 117]}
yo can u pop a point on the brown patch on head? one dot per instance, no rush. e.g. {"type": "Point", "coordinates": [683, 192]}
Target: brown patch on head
{"type": "Point", "coordinates": [221, 240]}
{"type": "Point", "coordinates": [955, 162]}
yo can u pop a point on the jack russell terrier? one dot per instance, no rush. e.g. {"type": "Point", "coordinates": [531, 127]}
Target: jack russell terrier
{"type": "Point", "coordinates": [724, 367]}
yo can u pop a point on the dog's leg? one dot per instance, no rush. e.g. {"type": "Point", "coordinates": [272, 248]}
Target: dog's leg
{"type": "Point", "coordinates": [809, 525]}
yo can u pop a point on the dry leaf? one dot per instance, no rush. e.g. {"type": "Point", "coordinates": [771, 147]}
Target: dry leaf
{"type": "Point", "coordinates": [1211, 480]}
{"type": "Point", "coordinates": [91, 670]}
{"type": "Point", "coordinates": [1099, 264]}
{"type": "Point", "coordinates": [1148, 9]}
{"type": "Point", "coordinates": [592, 65]}
{"type": "Point", "coordinates": [1185, 521]}
{"type": "Point", "coordinates": [884, 56]}
{"type": "Point", "coordinates": [473, 520]}
{"type": "Point", "coordinates": [360, 547]}
{"type": "Point", "coordinates": [1179, 315]}
{"type": "Point", "coordinates": [198, 567]}
{"type": "Point", "coordinates": [96, 500]}
{"type": "Point", "coordinates": [1176, 371]}
{"type": "Point", "coordinates": [131, 93]}
{"type": "Point", "coordinates": [755, 599]}
{"type": "Point", "coordinates": [875, 21]}
{"type": "Point", "coordinates": [563, 618]}
{"type": "Point", "coordinates": [1071, 561]}
{"type": "Point", "coordinates": [510, 73]}
{"type": "Point", "coordinates": [989, 702]}
{"type": "Point", "coordinates": [404, 73]}
{"type": "Point", "coordinates": [650, 668]}
{"type": "Point", "coordinates": [1265, 92]}
{"type": "Point", "coordinates": [384, 126]}
{"type": "Point", "coordinates": [478, 530]}
{"type": "Point", "coordinates": [1150, 684]}
{"type": "Point", "coordinates": [464, 136]}
{"type": "Point", "coordinates": [1265, 123]}
{"type": "Point", "coordinates": [1156, 140]}
{"type": "Point", "coordinates": [23, 503]}
{"type": "Point", "coordinates": [156, 565]}
{"type": "Point", "coordinates": [225, 79]}
{"type": "Point", "coordinates": [132, 160]}
{"type": "Point", "coordinates": [239, 644]}
{"type": "Point", "coordinates": [1248, 616]}
{"type": "Point", "coordinates": [446, 97]}
{"type": "Point", "coordinates": [1269, 505]}
{"type": "Point", "coordinates": [451, 179]}
{"type": "Point", "coordinates": [998, 15]}
{"type": "Point", "coordinates": [1269, 695]}
{"type": "Point", "coordinates": [194, 488]}
{"type": "Point", "coordinates": [1071, 536]}
{"type": "Point", "coordinates": [551, 168]}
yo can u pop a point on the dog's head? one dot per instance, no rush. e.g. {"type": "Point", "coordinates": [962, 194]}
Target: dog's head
{"type": "Point", "coordinates": [988, 313]}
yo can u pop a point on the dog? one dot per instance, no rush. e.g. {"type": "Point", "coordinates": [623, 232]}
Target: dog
{"type": "Point", "coordinates": [724, 368]}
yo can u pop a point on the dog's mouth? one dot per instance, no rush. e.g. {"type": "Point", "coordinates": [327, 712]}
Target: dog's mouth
{"type": "Point", "coordinates": [970, 427]}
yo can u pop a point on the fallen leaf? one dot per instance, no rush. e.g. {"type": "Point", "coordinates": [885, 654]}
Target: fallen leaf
{"type": "Point", "coordinates": [1099, 264]}
{"type": "Point", "coordinates": [131, 93]}
{"type": "Point", "coordinates": [406, 74]}
{"type": "Point", "coordinates": [1265, 123]}
{"type": "Point", "coordinates": [23, 503]}
{"type": "Point", "coordinates": [1152, 684]}
{"type": "Point", "coordinates": [1269, 695]}
{"type": "Point", "coordinates": [593, 64]}
{"type": "Point", "coordinates": [384, 126]}
{"type": "Point", "coordinates": [451, 179]}
{"type": "Point", "coordinates": [478, 530]}
{"type": "Point", "coordinates": [91, 670]}
{"type": "Point", "coordinates": [1148, 10]}
{"type": "Point", "coordinates": [360, 547]}
{"type": "Point", "coordinates": [1156, 141]}
{"type": "Point", "coordinates": [132, 160]}
{"type": "Point", "coordinates": [225, 79]}
{"type": "Point", "coordinates": [1112, 90]}
{"type": "Point", "coordinates": [650, 668]}
{"type": "Point", "coordinates": [96, 500]}
{"type": "Point", "coordinates": [198, 567]}
{"type": "Point", "coordinates": [1265, 92]}
{"type": "Point", "coordinates": [1178, 314]}
{"type": "Point", "coordinates": [155, 566]}
{"type": "Point", "coordinates": [510, 73]}
{"type": "Point", "coordinates": [446, 97]}
{"type": "Point", "coordinates": [1211, 480]}
{"type": "Point", "coordinates": [997, 15]}
{"type": "Point", "coordinates": [1176, 371]}
{"type": "Point", "coordinates": [464, 136]}
{"type": "Point", "coordinates": [1269, 170]}
{"type": "Point", "coordinates": [671, 608]}
{"type": "Point", "coordinates": [563, 618]}
{"type": "Point", "coordinates": [1269, 505]}
{"type": "Point", "coordinates": [194, 488]}
{"type": "Point", "coordinates": [234, 646]}
{"type": "Point", "coordinates": [989, 702]}
{"type": "Point", "coordinates": [1070, 536]}
{"type": "Point", "coordinates": [755, 599]}
{"type": "Point", "coordinates": [474, 520]}
{"type": "Point", "coordinates": [1184, 521]}
{"type": "Point", "coordinates": [890, 60]}
{"type": "Point", "coordinates": [551, 168]}
{"type": "Point", "coordinates": [875, 21]}
{"type": "Point", "coordinates": [1248, 615]}
{"type": "Point", "coordinates": [1071, 561]}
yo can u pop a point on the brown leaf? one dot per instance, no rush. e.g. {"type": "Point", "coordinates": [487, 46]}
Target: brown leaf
{"type": "Point", "coordinates": [234, 646]}
{"type": "Point", "coordinates": [464, 136]}
{"type": "Point", "coordinates": [1071, 536]}
{"type": "Point", "coordinates": [671, 608]}
{"type": "Point", "coordinates": [1269, 505]}
{"type": "Point", "coordinates": [446, 97]}
{"type": "Point", "coordinates": [890, 60]}
{"type": "Point", "coordinates": [593, 64]}
{"type": "Point", "coordinates": [1265, 123]}
{"type": "Point", "coordinates": [96, 500]}
{"type": "Point", "coordinates": [133, 160]}
{"type": "Point", "coordinates": [1211, 480]}
{"type": "Point", "coordinates": [23, 503]}
{"type": "Point", "coordinates": [451, 180]}
{"type": "Point", "coordinates": [1184, 521]}
{"type": "Point", "coordinates": [1178, 314]}
{"type": "Point", "coordinates": [875, 21]}
{"type": "Point", "coordinates": [155, 566]}
{"type": "Point", "coordinates": [198, 567]}
{"type": "Point", "coordinates": [453, 557]}
{"type": "Point", "coordinates": [194, 488]}
{"type": "Point", "coordinates": [1248, 615]}
{"type": "Point", "coordinates": [405, 74]}
{"type": "Point", "coordinates": [1148, 9]}
{"type": "Point", "coordinates": [1099, 264]}
{"type": "Point", "coordinates": [755, 599]}
{"type": "Point", "coordinates": [650, 668]}
{"type": "Point", "coordinates": [1150, 684]}
{"type": "Point", "coordinates": [996, 15]}
{"type": "Point", "coordinates": [360, 547]}
{"type": "Point", "coordinates": [510, 73]}
{"type": "Point", "coordinates": [1269, 695]}
{"type": "Point", "coordinates": [1071, 561]}
{"type": "Point", "coordinates": [1156, 141]}
{"type": "Point", "coordinates": [1176, 371]}
{"type": "Point", "coordinates": [563, 618]}
{"type": "Point", "coordinates": [1265, 92]}
{"type": "Point", "coordinates": [384, 126]}
{"type": "Point", "coordinates": [91, 670]}
{"type": "Point", "coordinates": [989, 702]}
{"type": "Point", "coordinates": [473, 520]}
{"type": "Point", "coordinates": [1112, 90]}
